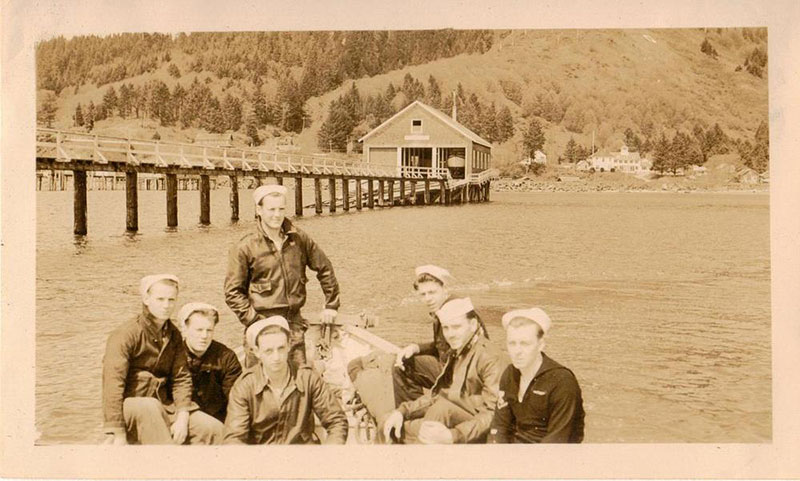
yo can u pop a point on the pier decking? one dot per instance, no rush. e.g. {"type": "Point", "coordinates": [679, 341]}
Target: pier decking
{"type": "Point", "coordinates": [70, 156]}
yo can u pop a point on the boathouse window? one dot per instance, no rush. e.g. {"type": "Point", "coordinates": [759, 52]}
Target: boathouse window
{"type": "Point", "coordinates": [416, 126]}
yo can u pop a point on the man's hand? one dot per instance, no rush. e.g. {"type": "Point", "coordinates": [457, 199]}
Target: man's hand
{"type": "Point", "coordinates": [406, 353]}
{"type": "Point", "coordinates": [327, 316]}
{"type": "Point", "coordinates": [117, 439]}
{"type": "Point", "coordinates": [180, 428]}
{"type": "Point", "coordinates": [434, 432]}
{"type": "Point", "coordinates": [393, 423]}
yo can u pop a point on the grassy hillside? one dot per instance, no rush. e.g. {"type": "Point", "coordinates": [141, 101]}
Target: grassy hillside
{"type": "Point", "coordinates": [576, 82]}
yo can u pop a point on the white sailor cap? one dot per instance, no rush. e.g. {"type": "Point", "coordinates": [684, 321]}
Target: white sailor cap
{"type": "Point", "coordinates": [254, 329]}
{"type": "Point", "coordinates": [147, 282]}
{"type": "Point", "coordinates": [455, 308]}
{"type": "Point", "coordinates": [435, 271]}
{"type": "Point", "coordinates": [265, 190]}
{"type": "Point", "coordinates": [188, 309]}
{"type": "Point", "coordinates": [534, 314]}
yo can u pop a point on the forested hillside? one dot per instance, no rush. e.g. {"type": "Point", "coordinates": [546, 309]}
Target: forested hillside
{"type": "Point", "coordinates": [675, 95]}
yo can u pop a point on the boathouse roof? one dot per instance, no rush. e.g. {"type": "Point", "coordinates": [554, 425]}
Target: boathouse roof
{"type": "Point", "coordinates": [447, 120]}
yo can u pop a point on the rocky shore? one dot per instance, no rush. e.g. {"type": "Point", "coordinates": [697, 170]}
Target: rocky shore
{"type": "Point", "coordinates": [617, 184]}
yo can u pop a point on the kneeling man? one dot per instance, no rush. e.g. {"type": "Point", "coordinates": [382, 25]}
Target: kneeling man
{"type": "Point", "coordinates": [460, 405]}
{"type": "Point", "coordinates": [274, 402]}
{"type": "Point", "coordinates": [147, 388]}
{"type": "Point", "coordinates": [540, 399]}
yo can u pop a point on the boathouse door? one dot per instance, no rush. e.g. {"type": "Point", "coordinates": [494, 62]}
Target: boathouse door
{"type": "Point", "coordinates": [414, 157]}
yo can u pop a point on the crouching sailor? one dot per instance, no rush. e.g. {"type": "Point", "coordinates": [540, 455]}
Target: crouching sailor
{"type": "Point", "coordinates": [274, 402]}
{"type": "Point", "coordinates": [147, 389]}
{"type": "Point", "coordinates": [213, 366]}
{"type": "Point", "coordinates": [460, 405]}
{"type": "Point", "coordinates": [540, 399]}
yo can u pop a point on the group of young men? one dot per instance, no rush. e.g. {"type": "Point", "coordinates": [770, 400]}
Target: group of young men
{"type": "Point", "coordinates": [168, 381]}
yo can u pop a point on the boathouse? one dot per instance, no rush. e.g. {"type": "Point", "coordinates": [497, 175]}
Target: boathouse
{"type": "Point", "coordinates": [420, 139]}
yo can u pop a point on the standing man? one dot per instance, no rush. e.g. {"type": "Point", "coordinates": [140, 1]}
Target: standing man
{"type": "Point", "coordinates": [274, 402]}
{"type": "Point", "coordinates": [460, 405]}
{"type": "Point", "coordinates": [213, 366]}
{"type": "Point", "coordinates": [267, 271]}
{"type": "Point", "coordinates": [147, 389]}
{"type": "Point", "coordinates": [540, 400]}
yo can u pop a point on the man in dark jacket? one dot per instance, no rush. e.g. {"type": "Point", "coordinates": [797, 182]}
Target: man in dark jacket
{"type": "Point", "coordinates": [147, 389]}
{"type": "Point", "coordinates": [460, 405]}
{"type": "Point", "coordinates": [274, 402]}
{"type": "Point", "coordinates": [213, 366]}
{"type": "Point", "coordinates": [267, 271]}
{"type": "Point", "coordinates": [540, 400]}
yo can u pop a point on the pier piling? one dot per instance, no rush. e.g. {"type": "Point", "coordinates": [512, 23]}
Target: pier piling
{"type": "Point", "coordinates": [298, 196]}
{"type": "Point", "coordinates": [172, 200]}
{"type": "Point", "coordinates": [370, 195]}
{"type": "Point", "coordinates": [79, 205]}
{"type": "Point", "coordinates": [205, 200]}
{"type": "Point", "coordinates": [317, 196]}
{"type": "Point", "coordinates": [345, 194]}
{"type": "Point", "coordinates": [358, 194]}
{"type": "Point", "coordinates": [234, 200]}
{"type": "Point", "coordinates": [332, 192]}
{"type": "Point", "coordinates": [131, 202]}
{"type": "Point", "coordinates": [381, 193]}
{"type": "Point", "coordinates": [391, 193]}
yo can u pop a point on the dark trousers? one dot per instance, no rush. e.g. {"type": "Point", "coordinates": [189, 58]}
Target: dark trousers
{"type": "Point", "coordinates": [298, 327]}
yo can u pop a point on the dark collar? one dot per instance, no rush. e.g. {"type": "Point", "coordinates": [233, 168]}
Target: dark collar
{"type": "Point", "coordinates": [262, 381]}
{"type": "Point", "coordinates": [149, 323]}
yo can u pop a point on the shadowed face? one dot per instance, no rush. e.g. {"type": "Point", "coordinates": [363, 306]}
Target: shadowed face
{"type": "Point", "coordinates": [458, 330]}
{"type": "Point", "coordinates": [160, 299]}
{"type": "Point", "coordinates": [199, 332]}
{"type": "Point", "coordinates": [273, 210]}
{"type": "Point", "coordinates": [432, 294]}
{"type": "Point", "coordinates": [273, 350]}
{"type": "Point", "coordinates": [524, 344]}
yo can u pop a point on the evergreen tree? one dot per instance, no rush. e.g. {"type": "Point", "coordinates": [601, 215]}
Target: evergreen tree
{"type": "Point", "coordinates": [708, 49]}
{"type": "Point", "coordinates": [178, 99]}
{"type": "Point", "coordinates": [259, 108]}
{"type": "Point", "coordinates": [504, 125]}
{"type": "Point", "coordinates": [110, 100]}
{"type": "Point", "coordinates": [757, 156]}
{"type": "Point", "coordinates": [662, 156]}
{"type": "Point", "coordinates": [174, 71]}
{"type": "Point", "coordinates": [336, 129]}
{"type": "Point", "coordinates": [391, 93]}
{"type": "Point", "coordinates": [571, 151]}
{"type": "Point", "coordinates": [124, 101]}
{"type": "Point", "coordinates": [488, 123]}
{"type": "Point", "coordinates": [46, 113]}
{"type": "Point", "coordinates": [78, 117]}
{"type": "Point", "coordinates": [89, 119]}
{"type": "Point", "coordinates": [433, 96]}
{"type": "Point", "coordinates": [632, 140]}
{"type": "Point", "coordinates": [533, 138]}
{"type": "Point", "coordinates": [251, 128]}
{"type": "Point", "coordinates": [232, 112]}
{"type": "Point", "coordinates": [213, 119]}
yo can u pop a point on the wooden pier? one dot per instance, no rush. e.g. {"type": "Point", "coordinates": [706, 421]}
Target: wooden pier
{"type": "Point", "coordinates": [87, 161]}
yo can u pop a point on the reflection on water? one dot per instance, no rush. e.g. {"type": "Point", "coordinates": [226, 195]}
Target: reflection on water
{"type": "Point", "coordinates": [661, 303]}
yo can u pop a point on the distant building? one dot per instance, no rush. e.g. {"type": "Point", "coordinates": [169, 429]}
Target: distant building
{"type": "Point", "coordinates": [746, 175]}
{"type": "Point", "coordinates": [582, 166]}
{"type": "Point", "coordinates": [421, 137]}
{"type": "Point", "coordinates": [622, 161]}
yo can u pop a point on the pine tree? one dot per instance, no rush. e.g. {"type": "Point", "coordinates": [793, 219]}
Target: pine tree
{"type": "Point", "coordinates": [78, 116]}
{"type": "Point", "coordinates": [433, 96]}
{"type": "Point", "coordinates": [90, 113]}
{"type": "Point", "coordinates": [571, 151]}
{"type": "Point", "coordinates": [504, 125]}
{"type": "Point", "coordinates": [708, 49]}
{"type": "Point", "coordinates": [174, 71]}
{"type": "Point", "coordinates": [178, 99]}
{"type": "Point", "coordinates": [251, 128]}
{"type": "Point", "coordinates": [259, 108]}
{"type": "Point", "coordinates": [533, 138]}
{"type": "Point", "coordinates": [124, 101]}
{"type": "Point", "coordinates": [232, 111]}
{"type": "Point", "coordinates": [661, 158]}
{"type": "Point", "coordinates": [110, 100]}
{"type": "Point", "coordinates": [46, 113]}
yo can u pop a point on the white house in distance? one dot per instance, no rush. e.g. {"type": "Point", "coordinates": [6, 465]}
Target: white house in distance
{"type": "Point", "coordinates": [420, 138]}
{"type": "Point", "coordinates": [622, 161]}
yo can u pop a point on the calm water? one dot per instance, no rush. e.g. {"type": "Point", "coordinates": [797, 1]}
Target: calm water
{"type": "Point", "coordinates": [661, 303]}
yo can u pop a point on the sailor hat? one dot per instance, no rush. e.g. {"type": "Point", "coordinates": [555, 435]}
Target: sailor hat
{"type": "Point", "coordinates": [265, 190]}
{"type": "Point", "coordinates": [534, 314]}
{"type": "Point", "coordinates": [435, 271]}
{"type": "Point", "coordinates": [147, 282]}
{"type": "Point", "coordinates": [455, 308]}
{"type": "Point", "coordinates": [252, 332]}
{"type": "Point", "coordinates": [188, 309]}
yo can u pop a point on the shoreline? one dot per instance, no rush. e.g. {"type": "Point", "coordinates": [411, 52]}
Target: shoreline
{"type": "Point", "coordinates": [525, 185]}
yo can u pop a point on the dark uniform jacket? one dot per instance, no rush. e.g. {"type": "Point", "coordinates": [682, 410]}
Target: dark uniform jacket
{"type": "Point", "coordinates": [256, 417]}
{"type": "Point", "coordinates": [439, 348]}
{"type": "Point", "coordinates": [470, 379]}
{"type": "Point", "coordinates": [261, 278]}
{"type": "Point", "coordinates": [551, 410]}
{"type": "Point", "coordinates": [213, 375]}
{"type": "Point", "coordinates": [144, 361]}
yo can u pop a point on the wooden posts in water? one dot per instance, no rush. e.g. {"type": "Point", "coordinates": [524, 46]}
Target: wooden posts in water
{"type": "Point", "coordinates": [332, 192]}
{"type": "Point", "coordinates": [205, 200]}
{"type": "Point", "coordinates": [413, 199]}
{"type": "Point", "coordinates": [79, 205]}
{"type": "Point", "coordinates": [298, 196]}
{"type": "Point", "coordinates": [131, 202]}
{"type": "Point", "coordinates": [488, 190]}
{"type": "Point", "coordinates": [358, 194]}
{"type": "Point", "coordinates": [279, 180]}
{"type": "Point", "coordinates": [345, 194]}
{"type": "Point", "coordinates": [427, 197]}
{"type": "Point", "coordinates": [370, 195]}
{"type": "Point", "coordinates": [172, 200]}
{"type": "Point", "coordinates": [381, 194]}
{"type": "Point", "coordinates": [391, 193]}
{"type": "Point", "coordinates": [402, 191]}
{"type": "Point", "coordinates": [317, 196]}
{"type": "Point", "coordinates": [234, 199]}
